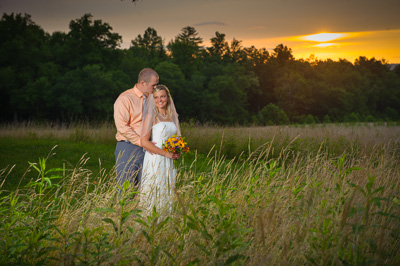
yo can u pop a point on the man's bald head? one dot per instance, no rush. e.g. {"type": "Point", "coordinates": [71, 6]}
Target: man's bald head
{"type": "Point", "coordinates": [146, 74]}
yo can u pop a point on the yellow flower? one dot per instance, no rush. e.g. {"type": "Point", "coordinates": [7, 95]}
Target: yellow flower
{"type": "Point", "coordinates": [176, 144]}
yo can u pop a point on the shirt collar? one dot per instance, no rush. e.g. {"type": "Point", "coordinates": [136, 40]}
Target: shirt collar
{"type": "Point", "coordinates": [137, 91]}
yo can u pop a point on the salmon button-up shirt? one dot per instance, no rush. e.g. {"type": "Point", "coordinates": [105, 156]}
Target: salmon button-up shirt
{"type": "Point", "coordinates": [128, 115]}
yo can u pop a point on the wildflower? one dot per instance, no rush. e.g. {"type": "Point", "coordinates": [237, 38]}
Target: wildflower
{"type": "Point", "coordinates": [176, 144]}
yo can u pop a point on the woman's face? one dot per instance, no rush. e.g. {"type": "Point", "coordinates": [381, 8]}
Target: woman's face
{"type": "Point", "coordinates": [161, 99]}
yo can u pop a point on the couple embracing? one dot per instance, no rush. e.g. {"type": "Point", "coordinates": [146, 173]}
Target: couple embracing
{"type": "Point", "coordinates": [145, 117]}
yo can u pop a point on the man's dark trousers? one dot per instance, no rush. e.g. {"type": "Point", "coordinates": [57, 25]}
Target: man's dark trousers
{"type": "Point", "coordinates": [129, 162]}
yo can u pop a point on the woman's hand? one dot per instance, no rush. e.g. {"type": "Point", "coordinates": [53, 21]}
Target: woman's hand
{"type": "Point", "coordinates": [167, 154]}
{"type": "Point", "coordinates": [176, 156]}
{"type": "Point", "coordinates": [173, 156]}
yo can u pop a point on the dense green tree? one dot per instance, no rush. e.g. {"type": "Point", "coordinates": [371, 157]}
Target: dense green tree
{"type": "Point", "coordinates": [224, 101]}
{"type": "Point", "coordinates": [258, 62]}
{"type": "Point", "coordinates": [59, 49]}
{"type": "Point", "coordinates": [23, 49]}
{"type": "Point", "coordinates": [397, 69]}
{"type": "Point", "coordinates": [294, 93]}
{"type": "Point", "coordinates": [103, 87]}
{"type": "Point", "coordinates": [185, 98]}
{"type": "Point", "coordinates": [225, 95]}
{"type": "Point", "coordinates": [91, 42]}
{"type": "Point", "coordinates": [149, 47]}
{"type": "Point", "coordinates": [171, 76]}
{"type": "Point", "coordinates": [371, 66]}
{"type": "Point", "coordinates": [132, 65]}
{"type": "Point", "coordinates": [186, 50]}
{"type": "Point", "coordinates": [219, 46]}
{"type": "Point", "coordinates": [90, 75]}
{"type": "Point", "coordinates": [193, 93]}
{"type": "Point", "coordinates": [236, 52]}
{"type": "Point", "coordinates": [334, 86]}
{"type": "Point", "coordinates": [380, 86]}
{"type": "Point", "coordinates": [245, 79]}
{"type": "Point", "coordinates": [282, 55]}
{"type": "Point", "coordinates": [69, 94]}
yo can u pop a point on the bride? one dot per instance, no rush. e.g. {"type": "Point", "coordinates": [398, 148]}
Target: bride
{"type": "Point", "coordinates": [158, 175]}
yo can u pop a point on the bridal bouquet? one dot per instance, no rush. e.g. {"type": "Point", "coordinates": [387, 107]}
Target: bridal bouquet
{"type": "Point", "coordinates": [176, 144]}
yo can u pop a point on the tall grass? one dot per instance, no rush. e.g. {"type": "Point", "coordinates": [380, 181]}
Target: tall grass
{"type": "Point", "coordinates": [336, 138]}
{"type": "Point", "coordinates": [285, 202]}
{"type": "Point", "coordinates": [231, 141]}
{"type": "Point", "coordinates": [84, 131]}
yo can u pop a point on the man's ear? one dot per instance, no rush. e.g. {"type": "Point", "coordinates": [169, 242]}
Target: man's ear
{"type": "Point", "coordinates": [141, 83]}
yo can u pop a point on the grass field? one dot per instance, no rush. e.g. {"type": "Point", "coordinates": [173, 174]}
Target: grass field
{"type": "Point", "coordinates": [321, 194]}
{"type": "Point", "coordinates": [61, 153]}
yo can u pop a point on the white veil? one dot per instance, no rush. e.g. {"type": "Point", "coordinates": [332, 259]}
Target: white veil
{"type": "Point", "coordinates": [151, 116]}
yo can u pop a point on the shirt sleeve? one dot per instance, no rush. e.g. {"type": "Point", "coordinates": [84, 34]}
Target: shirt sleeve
{"type": "Point", "coordinates": [122, 118]}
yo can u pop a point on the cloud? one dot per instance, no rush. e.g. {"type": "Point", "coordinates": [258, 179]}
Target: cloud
{"type": "Point", "coordinates": [210, 23]}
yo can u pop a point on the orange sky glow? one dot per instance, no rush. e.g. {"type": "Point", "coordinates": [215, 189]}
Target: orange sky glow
{"type": "Point", "coordinates": [344, 45]}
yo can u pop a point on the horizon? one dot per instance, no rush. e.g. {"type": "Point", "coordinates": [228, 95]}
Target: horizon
{"type": "Point", "coordinates": [358, 27]}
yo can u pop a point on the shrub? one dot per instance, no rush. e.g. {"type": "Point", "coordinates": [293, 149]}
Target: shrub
{"type": "Point", "coordinates": [352, 118]}
{"type": "Point", "coordinates": [272, 115]}
{"type": "Point", "coordinates": [326, 119]}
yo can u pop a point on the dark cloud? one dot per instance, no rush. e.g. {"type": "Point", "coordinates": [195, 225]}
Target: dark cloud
{"type": "Point", "coordinates": [209, 23]}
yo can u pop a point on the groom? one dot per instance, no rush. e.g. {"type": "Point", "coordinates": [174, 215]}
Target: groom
{"type": "Point", "coordinates": [128, 116]}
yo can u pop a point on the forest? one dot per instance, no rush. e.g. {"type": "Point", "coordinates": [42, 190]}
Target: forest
{"type": "Point", "coordinates": [77, 76]}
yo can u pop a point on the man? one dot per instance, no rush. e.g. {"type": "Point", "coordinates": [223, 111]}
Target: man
{"type": "Point", "coordinates": [128, 116]}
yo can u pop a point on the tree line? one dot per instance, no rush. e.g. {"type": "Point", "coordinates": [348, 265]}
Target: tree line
{"type": "Point", "coordinates": [77, 75]}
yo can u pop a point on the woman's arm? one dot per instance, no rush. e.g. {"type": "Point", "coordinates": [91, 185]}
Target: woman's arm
{"type": "Point", "coordinates": [148, 146]}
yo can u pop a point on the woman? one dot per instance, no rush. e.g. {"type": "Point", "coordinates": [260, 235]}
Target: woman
{"type": "Point", "coordinates": [158, 176]}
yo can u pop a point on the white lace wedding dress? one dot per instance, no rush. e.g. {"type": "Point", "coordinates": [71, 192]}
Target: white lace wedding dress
{"type": "Point", "coordinates": [158, 175]}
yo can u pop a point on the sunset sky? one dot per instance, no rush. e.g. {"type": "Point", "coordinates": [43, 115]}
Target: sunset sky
{"type": "Point", "coordinates": [325, 28]}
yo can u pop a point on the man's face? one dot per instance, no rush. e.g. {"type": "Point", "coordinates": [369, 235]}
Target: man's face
{"type": "Point", "coordinates": [149, 87]}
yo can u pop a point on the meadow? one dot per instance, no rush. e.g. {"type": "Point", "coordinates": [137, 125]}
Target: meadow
{"type": "Point", "coordinates": [306, 194]}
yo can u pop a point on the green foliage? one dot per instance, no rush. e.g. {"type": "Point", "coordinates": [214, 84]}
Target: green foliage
{"type": "Point", "coordinates": [272, 115]}
{"type": "Point", "coordinates": [91, 42]}
{"type": "Point", "coordinates": [186, 50]}
{"type": "Point", "coordinates": [68, 152]}
{"type": "Point", "coordinates": [309, 119]}
{"type": "Point", "coordinates": [172, 75]}
{"type": "Point", "coordinates": [27, 223]}
{"type": "Point", "coordinates": [351, 118]}
{"type": "Point", "coordinates": [149, 47]}
{"type": "Point", "coordinates": [23, 51]}
{"type": "Point", "coordinates": [78, 75]}
{"type": "Point", "coordinates": [294, 93]}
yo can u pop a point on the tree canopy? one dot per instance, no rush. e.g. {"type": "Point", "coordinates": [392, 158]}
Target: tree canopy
{"type": "Point", "coordinates": [78, 75]}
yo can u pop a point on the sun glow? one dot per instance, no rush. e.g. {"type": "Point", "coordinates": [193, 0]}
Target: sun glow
{"type": "Point", "coordinates": [326, 44]}
{"type": "Point", "coordinates": [324, 37]}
